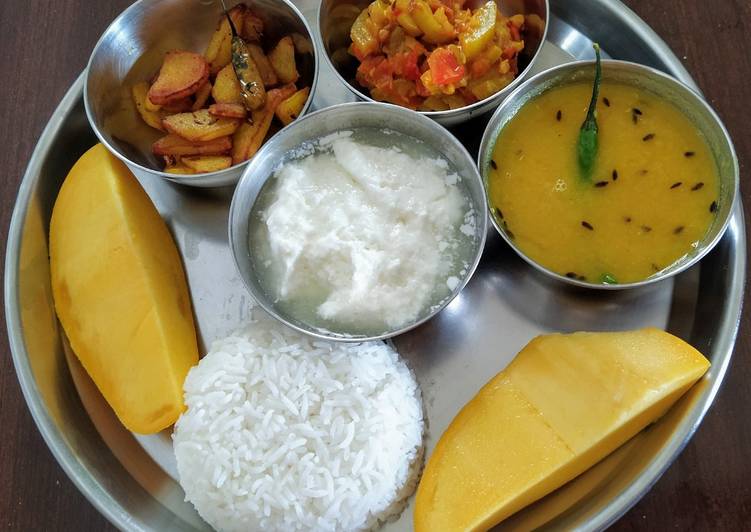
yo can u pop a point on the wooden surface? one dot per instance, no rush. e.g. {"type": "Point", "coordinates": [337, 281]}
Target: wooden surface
{"type": "Point", "coordinates": [45, 44]}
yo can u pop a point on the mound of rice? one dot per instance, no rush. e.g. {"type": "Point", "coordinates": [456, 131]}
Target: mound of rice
{"type": "Point", "coordinates": [283, 432]}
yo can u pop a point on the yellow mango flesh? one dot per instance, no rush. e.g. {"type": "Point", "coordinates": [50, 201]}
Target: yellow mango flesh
{"type": "Point", "coordinates": [120, 292]}
{"type": "Point", "coordinates": [562, 405]}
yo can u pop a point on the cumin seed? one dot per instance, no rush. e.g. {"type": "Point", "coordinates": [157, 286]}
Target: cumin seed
{"type": "Point", "coordinates": [559, 115]}
{"type": "Point", "coordinates": [615, 175]}
{"type": "Point", "coordinates": [601, 184]}
{"type": "Point", "coordinates": [678, 230]}
{"type": "Point", "coordinates": [648, 137]}
{"type": "Point", "coordinates": [676, 185]}
{"type": "Point", "coordinates": [689, 154]}
{"type": "Point", "coordinates": [606, 102]}
{"type": "Point", "coordinates": [697, 186]}
{"type": "Point", "coordinates": [646, 228]}
{"type": "Point", "coordinates": [587, 225]}
{"type": "Point", "coordinates": [493, 164]}
{"type": "Point", "coordinates": [713, 207]}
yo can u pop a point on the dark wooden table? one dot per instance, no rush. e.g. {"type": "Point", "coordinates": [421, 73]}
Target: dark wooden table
{"type": "Point", "coordinates": [45, 44]}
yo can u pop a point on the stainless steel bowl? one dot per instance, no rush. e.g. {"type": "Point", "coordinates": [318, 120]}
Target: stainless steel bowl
{"type": "Point", "coordinates": [347, 117]}
{"type": "Point", "coordinates": [132, 49]}
{"type": "Point", "coordinates": [666, 87]}
{"type": "Point", "coordinates": [335, 19]}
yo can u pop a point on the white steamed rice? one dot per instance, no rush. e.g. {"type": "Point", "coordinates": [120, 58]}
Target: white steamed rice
{"type": "Point", "coordinates": [283, 432]}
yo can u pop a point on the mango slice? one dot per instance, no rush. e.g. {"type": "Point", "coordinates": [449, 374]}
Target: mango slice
{"type": "Point", "coordinates": [562, 405]}
{"type": "Point", "coordinates": [120, 292]}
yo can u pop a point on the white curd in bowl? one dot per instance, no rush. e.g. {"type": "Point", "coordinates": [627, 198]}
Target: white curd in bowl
{"type": "Point", "coordinates": [362, 236]}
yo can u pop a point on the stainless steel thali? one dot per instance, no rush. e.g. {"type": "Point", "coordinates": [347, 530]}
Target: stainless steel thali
{"type": "Point", "coordinates": [507, 303]}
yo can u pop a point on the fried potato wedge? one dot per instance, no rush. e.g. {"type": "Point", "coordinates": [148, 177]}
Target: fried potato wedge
{"type": "Point", "coordinates": [219, 51]}
{"type": "Point", "coordinates": [238, 14]}
{"type": "Point", "coordinates": [268, 75]}
{"type": "Point", "coordinates": [303, 45]}
{"type": "Point", "coordinates": [202, 96]}
{"type": "Point", "coordinates": [207, 163]}
{"type": "Point", "coordinates": [282, 59]}
{"type": "Point", "coordinates": [175, 145]}
{"type": "Point", "coordinates": [252, 27]}
{"type": "Point", "coordinates": [226, 87]}
{"type": "Point", "coordinates": [212, 50]}
{"type": "Point", "coordinates": [228, 110]}
{"type": "Point", "coordinates": [178, 106]}
{"type": "Point", "coordinates": [152, 118]}
{"type": "Point", "coordinates": [182, 74]}
{"type": "Point", "coordinates": [200, 126]}
{"type": "Point", "coordinates": [179, 168]}
{"type": "Point", "coordinates": [246, 141]}
{"type": "Point", "coordinates": [148, 104]}
{"type": "Point", "coordinates": [249, 136]}
{"type": "Point", "coordinates": [291, 108]}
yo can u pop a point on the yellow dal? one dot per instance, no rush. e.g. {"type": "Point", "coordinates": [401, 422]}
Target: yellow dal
{"type": "Point", "coordinates": [640, 224]}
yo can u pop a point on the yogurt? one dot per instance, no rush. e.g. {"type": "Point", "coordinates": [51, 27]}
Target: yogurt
{"type": "Point", "coordinates": [362, 237]}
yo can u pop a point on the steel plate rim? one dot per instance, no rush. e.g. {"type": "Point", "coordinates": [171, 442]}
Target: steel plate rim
{"type": "Point", "coordinates": [688, 426]}
{"type": "Point", "coordinates": [685, 430]}
{"type": "Point", "coordinates": [110, 509]}
{"type": "Point", "coordinates": [86, 484]}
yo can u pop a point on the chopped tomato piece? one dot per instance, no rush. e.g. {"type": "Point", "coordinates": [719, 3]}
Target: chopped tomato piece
{"type": "Point", "coordinates": [435, 54]}
{"type": "Point", "coordinates": [509, 52]}
{"type": "Point", "coordinates": [445, 67]}
{"type": "Point", "coordinates": [515, 35]}
{"type": "Point", "coordinates": [405, 64]}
